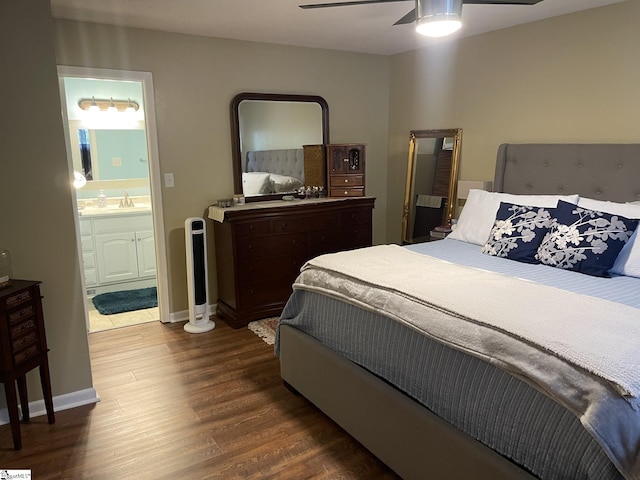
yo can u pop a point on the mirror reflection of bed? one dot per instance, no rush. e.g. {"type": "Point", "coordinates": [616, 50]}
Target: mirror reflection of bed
{"type": "Point", "coordinates": [270, 133]}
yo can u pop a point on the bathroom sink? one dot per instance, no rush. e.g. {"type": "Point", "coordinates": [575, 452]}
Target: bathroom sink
{"type": "Point", "coordinates": [114, 210]}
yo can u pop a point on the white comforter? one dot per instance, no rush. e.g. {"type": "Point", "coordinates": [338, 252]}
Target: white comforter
{"type": "Point", "coordinates": [582, 351]}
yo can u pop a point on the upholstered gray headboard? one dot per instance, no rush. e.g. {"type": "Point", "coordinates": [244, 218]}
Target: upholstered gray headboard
{"type": "Point", "coordinates": [600, 171]}
{"type": "Point", "coordinates": [283, 162]}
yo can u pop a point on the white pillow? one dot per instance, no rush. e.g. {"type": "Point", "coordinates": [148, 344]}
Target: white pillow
{"type": "Point", "coordinates": [479, 213]}
{"type": "Point", "coordinates": [256, 183]}
{"type": "Point", "coordinates": [283, 183]}
{"type": "Point", "coordinates": [628, 261]}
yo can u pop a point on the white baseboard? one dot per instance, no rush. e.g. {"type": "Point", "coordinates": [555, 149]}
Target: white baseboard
{"type": "Point", "coordinates": [183, 316]}
{"type": "Point", "coordinates": [60, 402]}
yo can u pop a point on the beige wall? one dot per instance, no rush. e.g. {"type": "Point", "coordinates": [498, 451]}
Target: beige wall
{"type": "Point", "coordinates": [195, 79]}
{"type": "Point", "coordinates": [36, 216]}
{"type": "Point", "coordinates": [573, 78]}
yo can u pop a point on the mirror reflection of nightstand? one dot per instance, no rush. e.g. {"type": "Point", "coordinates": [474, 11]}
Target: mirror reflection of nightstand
{"type": "Point", "coordinates": [436, 235]}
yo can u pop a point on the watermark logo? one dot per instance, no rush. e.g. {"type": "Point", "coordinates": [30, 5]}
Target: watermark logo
{"type": "Point", "coordinates": [15, 474]}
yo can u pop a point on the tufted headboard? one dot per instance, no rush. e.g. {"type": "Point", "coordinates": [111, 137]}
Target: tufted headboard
{"type": "Point", "coordinates": [601, 171]}
{"type": "Point", "coordinates": [288, 162]}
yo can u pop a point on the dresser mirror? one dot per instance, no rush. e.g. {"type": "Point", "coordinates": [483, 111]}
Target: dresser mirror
{"type": "Point", "coordinates": [268, 132]}
{"type": "Point", "coordinates": [432, 179]}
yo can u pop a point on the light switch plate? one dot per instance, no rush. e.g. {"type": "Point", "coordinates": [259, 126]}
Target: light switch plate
{"type": "Point", "coordinates": [168, 180]}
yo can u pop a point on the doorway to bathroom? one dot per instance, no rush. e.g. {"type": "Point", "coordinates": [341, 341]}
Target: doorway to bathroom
{"type": "Point", "coordinates": [112, 151]}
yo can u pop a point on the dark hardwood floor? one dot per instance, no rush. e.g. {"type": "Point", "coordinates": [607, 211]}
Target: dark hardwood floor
{"type": "Point", "coordinates": [183, 406]}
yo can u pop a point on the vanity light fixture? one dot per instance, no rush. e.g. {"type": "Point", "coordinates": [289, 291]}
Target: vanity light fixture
{"type": "Point", "coordinates": [108, 104]}
{"type": "Point", "coordinates": [438, 18]}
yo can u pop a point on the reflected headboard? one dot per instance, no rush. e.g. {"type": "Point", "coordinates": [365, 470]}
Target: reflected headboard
{"type": "Point", "coordinates": [601, 171]}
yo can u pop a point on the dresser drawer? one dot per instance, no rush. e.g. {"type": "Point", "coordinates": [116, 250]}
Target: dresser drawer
{"type": "Point", "coordinates": [274, 245]}
{"type": "Point", "coordinates": [26, 354]}
{"type": "Point", "coordinates": [356, 237]}
{"type": "Point", "coordinates": [264, 293]}
{"type": "Point", "coordinates": [17, 299]}
{"type": "Point", "coordinates": [347, 192]}
{"type": "Point", "coordinates": [22, 328]}
{"type": "Point", "coordinates": [360, 216]}
{"type": "Point", "coordinates": [21, 314]}
{"type": "Point", "coordinates": [305, 224]}
{"type": "Point", "coordinates": [270, 269]}
{"type": "Point", "coordinates": [253, 228]}
{"type": "Point", "coordinates": [326, 241]}
{"type": "Point", "coordinates": [340, 181]}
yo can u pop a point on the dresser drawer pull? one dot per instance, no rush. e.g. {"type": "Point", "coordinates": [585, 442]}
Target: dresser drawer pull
{"type": "Point", "coordinates": [284, 225]}
{"type": "Point", "coordinates": [346, 192]}
{"type": "Point", "coordinates": [251, 228]}
{"type": "Point", "coordinates": [20, 314]}
{"type": "Point", "coordinates": [19, 298]}
{"type": "Point", "coordinates": [346, 180]}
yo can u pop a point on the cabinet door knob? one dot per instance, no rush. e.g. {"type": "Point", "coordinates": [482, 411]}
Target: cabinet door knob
{"type": "Point", "coordinates": [346, 180]}
{"type": "Point", "coordinates": [346, 192]}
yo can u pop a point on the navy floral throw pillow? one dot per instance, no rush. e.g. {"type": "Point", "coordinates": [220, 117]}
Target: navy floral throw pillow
{"type": "Point", "coordinates": [518, 232]}
{"type": "Point", "coordinates": [583, 240]}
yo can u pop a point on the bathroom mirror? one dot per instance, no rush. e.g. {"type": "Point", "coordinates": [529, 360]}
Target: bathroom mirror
{"type": "Point", "coordinates": [432, 178]}
{"type": "Point", "coordinates": [268, 132]}
{"type": "Point", "coordinates": [108, 154]}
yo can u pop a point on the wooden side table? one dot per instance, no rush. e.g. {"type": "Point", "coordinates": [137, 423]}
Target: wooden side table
{"type": "Point", "coordinates": [23, 347]}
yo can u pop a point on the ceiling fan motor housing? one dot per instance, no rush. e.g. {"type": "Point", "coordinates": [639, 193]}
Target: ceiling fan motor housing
{"type": "Point", "coordinates": [436, 10]}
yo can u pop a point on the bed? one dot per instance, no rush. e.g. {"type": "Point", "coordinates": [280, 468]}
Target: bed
{"type": "Point", "coordinates": [436, 387]}
{"type": "Point", "coordinates": [273, 171]}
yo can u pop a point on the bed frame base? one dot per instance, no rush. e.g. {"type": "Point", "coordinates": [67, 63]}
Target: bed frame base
{"type": "Point", "coordinates": [403, 434]}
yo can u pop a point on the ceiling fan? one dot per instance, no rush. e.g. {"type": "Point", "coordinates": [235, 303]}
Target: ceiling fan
{"type": "Point", "coordinates": [433, 17]}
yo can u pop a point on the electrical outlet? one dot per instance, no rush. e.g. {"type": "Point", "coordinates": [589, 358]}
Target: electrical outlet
{"type": "Point", "coordinates": [116, 161]}
{"type": "Point", "coordinates": [168, 180]}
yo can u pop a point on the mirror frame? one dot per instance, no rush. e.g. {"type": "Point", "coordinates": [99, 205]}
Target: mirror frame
{"type": "Point", "coordinates": [235, 132]}
{"type": "Point", "coordinates": [414, 135]}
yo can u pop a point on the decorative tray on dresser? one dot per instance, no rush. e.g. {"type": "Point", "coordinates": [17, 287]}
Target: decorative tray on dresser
{"type": "Point", "coordinates": [261, 246]}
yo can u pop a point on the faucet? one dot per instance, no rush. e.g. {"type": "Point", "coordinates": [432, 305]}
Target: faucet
{"type": "Point", "coordinates": [126, 202]}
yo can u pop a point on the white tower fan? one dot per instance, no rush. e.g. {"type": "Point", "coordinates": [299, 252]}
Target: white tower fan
{"type": "Point", "coordinates": [197, 283]}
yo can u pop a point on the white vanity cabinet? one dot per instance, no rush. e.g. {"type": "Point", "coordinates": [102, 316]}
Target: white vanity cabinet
{"type": "Point", "coordinates": [119, 248]}
{"type": "Point", "coordinates": [88, 252]}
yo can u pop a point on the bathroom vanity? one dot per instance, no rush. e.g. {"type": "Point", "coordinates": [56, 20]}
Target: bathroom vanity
{"type": "Point", "coordinates": [261, 246]}
{"type": "Point", "coordinates": [117, 246]}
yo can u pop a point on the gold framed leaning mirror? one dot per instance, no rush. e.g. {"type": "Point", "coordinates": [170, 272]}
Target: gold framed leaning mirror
{"type": "Point", "coordinates": [432, 179]}
{"type": "Point", "coordinates": [268, 133]}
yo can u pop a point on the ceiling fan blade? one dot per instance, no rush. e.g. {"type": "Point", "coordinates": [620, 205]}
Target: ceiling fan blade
{"type": "Point", "coordinates": [408, 18]}
{"type": "Point", "coordinates": [344, 4]}
{"type": "Point", "coordinates": [500, 2]}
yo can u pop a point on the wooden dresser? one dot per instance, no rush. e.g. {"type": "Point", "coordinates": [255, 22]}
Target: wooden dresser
{"type": "Point", "coordinates": [23, 347]}
{"type": "Point", "coordinates": [261, 246]}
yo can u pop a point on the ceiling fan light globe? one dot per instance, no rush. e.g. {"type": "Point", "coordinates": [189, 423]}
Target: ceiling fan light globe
{"type": "Point", "coordinates": [438, 26]}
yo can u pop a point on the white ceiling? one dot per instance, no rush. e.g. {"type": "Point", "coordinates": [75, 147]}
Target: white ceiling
{"type": "Point", "coordinates": [363, 28]}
